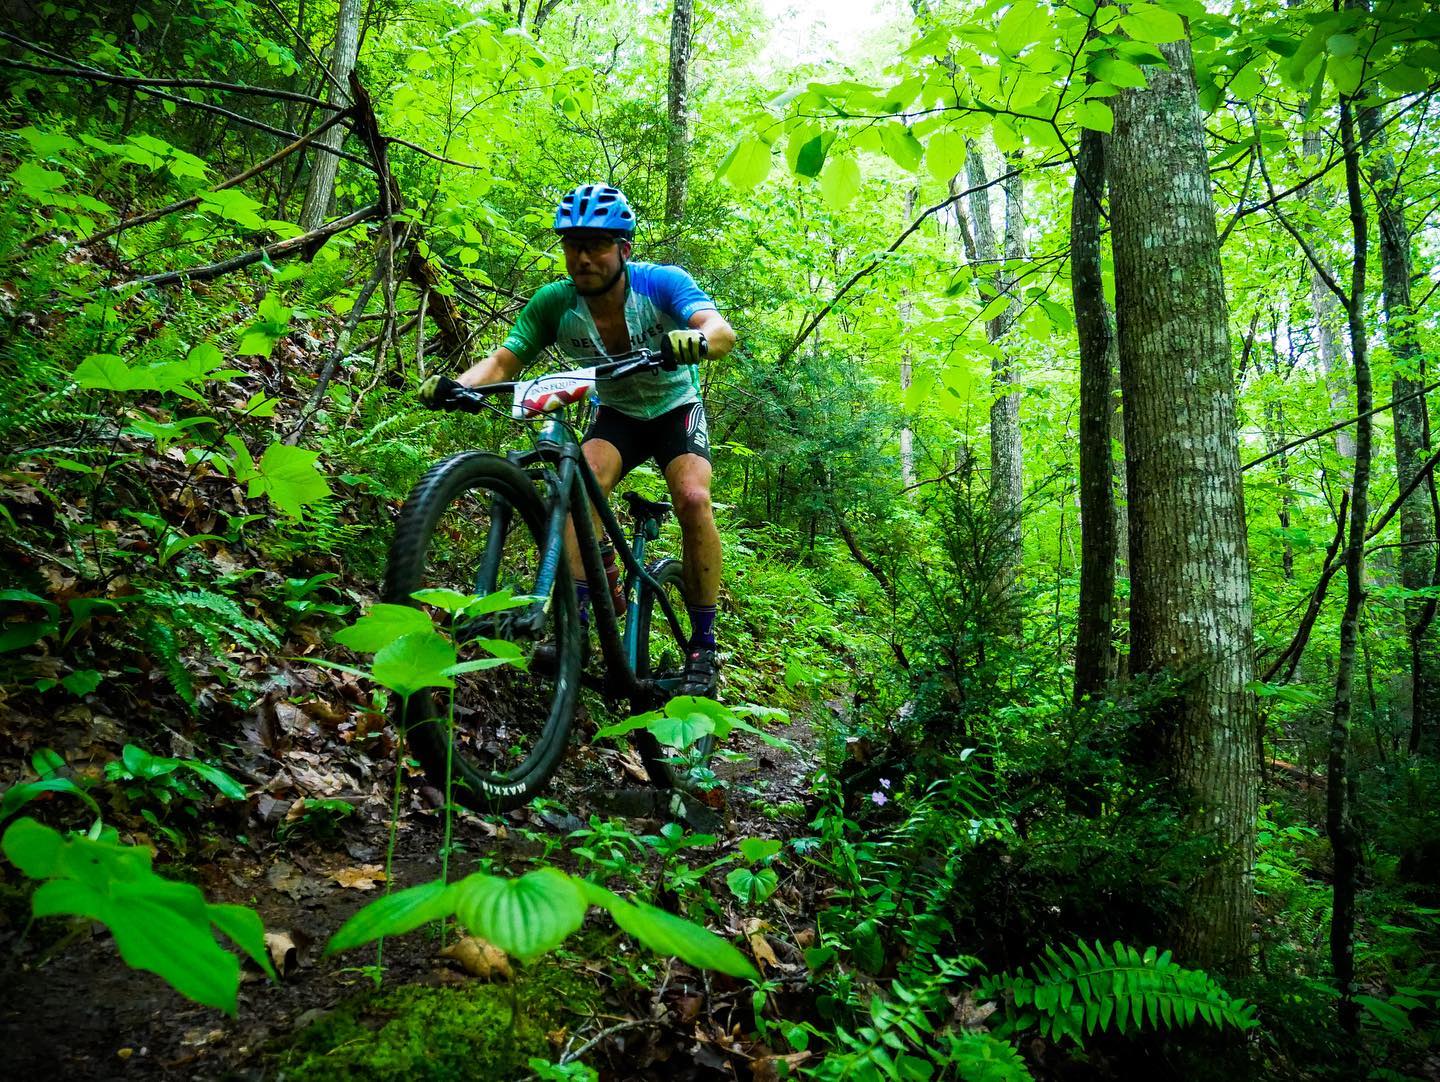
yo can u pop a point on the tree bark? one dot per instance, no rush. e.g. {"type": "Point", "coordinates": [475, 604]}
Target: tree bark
{"type": "Point", "coordinates": [1327, 318]}
{"type": "Point", "coordinates": [677, 153]}
{"type": "Point", "coordinates": [1411, 422]}
{"type": "Point", "coordinates": [342, 62]}
{"type": "Point", "coordinates": [1094, 645]}
{"type": "Point", "coordinates": [1190, 613]}
{"type": "Point", "coordinates": [1007, 456]}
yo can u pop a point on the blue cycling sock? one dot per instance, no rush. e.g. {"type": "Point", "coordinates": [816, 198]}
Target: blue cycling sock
{"type": "Point", "coordinates": [702, 626]}
{"type": "Point", "coordinates": [582, 598]}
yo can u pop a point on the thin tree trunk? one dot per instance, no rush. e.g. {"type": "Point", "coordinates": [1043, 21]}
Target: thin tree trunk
{"type": "Point", "coordinates": [1344, 839]}
{"type": "Point", "coordinates": [1094, 645]}
{"type": "Point", "coordinates": [1191, 613]}
{"type": "Point", "coordinates": [677, 153]}
{"type": "Point", "coordinates": [1410, 417]}
{"type": "Point", "coordinates": [907, 437]}
{"type": "Point", "coordinates": [1326, 320]}
{"type": "Point", "coordinates": [342, 63]}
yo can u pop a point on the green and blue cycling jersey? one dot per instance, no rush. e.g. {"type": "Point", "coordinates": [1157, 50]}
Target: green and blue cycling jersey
{"type": "Point", "coordinates": [660, 299]}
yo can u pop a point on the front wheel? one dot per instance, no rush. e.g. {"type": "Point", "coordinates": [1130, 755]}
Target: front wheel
{"type": "Point", "coordinates": [476, 523]}
{"type": "Point", "coordinates": [661, 657]}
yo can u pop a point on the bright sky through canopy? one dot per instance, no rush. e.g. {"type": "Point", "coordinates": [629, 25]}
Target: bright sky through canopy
{"type": "Point", "coordinates": [811, 30]}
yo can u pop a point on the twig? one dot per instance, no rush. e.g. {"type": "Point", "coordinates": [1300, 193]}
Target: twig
{"type": "Point", "coordinates": [420, 338]}
{"type": "Point", "coordinates": [430, 153]}
{"type": "Point", "coordinates": [324, 67]}
{"type": "Point", "coordinates": [205, 106]}
{"type": "Point", "coordinates": [307, 242]}
{"type": "Point", "coordinates": [342, 344]}
{"type": "Point", "coordinates": [1420, 475]}
{"type": "Point", "coordinates": [141, 83]}
{"type": "Point", "coordinates": [193, 201]}
{"type": "Point", "coordinates": [1337, 425]}
{"type": "Point", "coordinates": [634, 1023]}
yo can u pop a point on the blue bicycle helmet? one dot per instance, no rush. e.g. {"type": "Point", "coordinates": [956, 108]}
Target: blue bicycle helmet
{"type": "Point", "coordinates": [595, 206]}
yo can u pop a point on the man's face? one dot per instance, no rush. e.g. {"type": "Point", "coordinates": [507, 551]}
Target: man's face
{"type": "Point", "coordinates": [594, 259]}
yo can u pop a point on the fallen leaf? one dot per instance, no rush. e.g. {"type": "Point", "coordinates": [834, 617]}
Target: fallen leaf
{"type": "Point", "coordinates": [284, 954]}
{"type": "Point", "coordinates": [766, 1068]}
{"type": "Point", "coordinates": [760, 948]}
{"type": "Point", "coordinates": [362, 878]}
{"type": "Point", "coordinates": [479, 958]}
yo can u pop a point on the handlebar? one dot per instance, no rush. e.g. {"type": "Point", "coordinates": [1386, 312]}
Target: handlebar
{"type": "Point", "coordinates": [534, 398]}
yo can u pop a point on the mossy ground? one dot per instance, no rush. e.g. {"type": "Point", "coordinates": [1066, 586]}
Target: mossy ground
{"type": "Point", "coordinates": [440, 1033]}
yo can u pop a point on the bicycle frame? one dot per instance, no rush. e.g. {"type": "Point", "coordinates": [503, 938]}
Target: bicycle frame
{"type": "Point", "coordinates": [575, 493]}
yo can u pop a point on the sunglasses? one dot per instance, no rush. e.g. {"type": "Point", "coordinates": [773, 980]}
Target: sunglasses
{"type": "Point", "coordinates": [592, 245]}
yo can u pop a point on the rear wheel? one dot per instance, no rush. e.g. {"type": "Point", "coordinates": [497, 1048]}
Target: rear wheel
{"type": "Point", "coordinates": [661, 657]}
{"type": "Point", "coordinates": [476, 523]}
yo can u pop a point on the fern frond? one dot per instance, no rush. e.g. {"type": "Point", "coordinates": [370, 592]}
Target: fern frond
{"type": "Point", "coordinates": [1083, 990]}
{"type": "Point", "coordinates": [981, 1057]}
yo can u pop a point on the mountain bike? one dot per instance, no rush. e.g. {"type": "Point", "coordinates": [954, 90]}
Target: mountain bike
{"type": "Point", "coordinates": [481, 522]}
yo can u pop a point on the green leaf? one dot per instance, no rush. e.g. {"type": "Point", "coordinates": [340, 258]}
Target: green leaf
{"type": "Point", "coordinates": [17, 796]}
{"type": "Point", "coordinates": [945, 155]}
{"type": "Point", "coordinates": [290, 477]}
{"type": "Point", "coordinates": [1095, 115]}
{"type": "Point", "coordinates": [1149, 23]}
{"type": "Point", "coordinates": [748, 164]}
{"type": "Point", "coordinates": [901, 145]}
{"type": "Point", "coordinates": [395, 914]}
{"type": "Point", "coordinates": [1117, 72]}
{"type": "Point", "coordinates": [525, 917]}
{"type": "Point", "coordinates": [246, 930]}
{"type": "Point", "coordinates": [107, 372]}
{"type": "Point", "coordinates": [752, 887]}
{"type": "Point", "coordinates": [223, 782]}
{"type": "Point", "coordinates": [381, 626]}
{"type": "Point", "coordinates": [840, 181]}
{"type": "Point", "coordinates": [449, 600]}
{"type": "Point", "coordinates": [413, 662]}
{"type": "Point", "coordinates": [681, 732]}
{"type": "Point", "coordinates": [810, 156]}
{"type": "Point", "coordinates": [1021, 25]}
{"type": "Point", "coordinates": [81, 682]}
{"type": "Point", "coordinates": [755, 850]}
{"type": "Point", "coordinates": [670, 935]}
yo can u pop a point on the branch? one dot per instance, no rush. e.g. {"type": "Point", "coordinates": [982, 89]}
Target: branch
{"type": "Point", "coordinates": [180, 84]}
{"type": "Point", "coordinates": [430, 153]}
{"type": "Point", "coordinates": [307, 242]}
{"type": "Point", "coordinates": [185, 204]}
{"type": "Point", "coordinates": [1337, 425]}
{"type": "Point", "coordinates": [205, 106]}
{"type": "Point", "coordinates": [1420, 475]}
{"type": "Point", "coordinates": [1292, 652]}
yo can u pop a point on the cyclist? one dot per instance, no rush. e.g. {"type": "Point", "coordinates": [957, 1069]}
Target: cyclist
{"type": "Point", "coordinates": [610, 305]}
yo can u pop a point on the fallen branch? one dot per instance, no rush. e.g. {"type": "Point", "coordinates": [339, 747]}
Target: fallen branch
{"type": "Point", "coordinates": [306, 243]}
{"type": "Point", "coordinates": [239, 178]}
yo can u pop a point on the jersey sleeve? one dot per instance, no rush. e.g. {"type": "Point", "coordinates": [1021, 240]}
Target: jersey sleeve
{"type": "Point", "coordinates": [677, 294]}
{"type": "Point", "coordinates": [538, 323]}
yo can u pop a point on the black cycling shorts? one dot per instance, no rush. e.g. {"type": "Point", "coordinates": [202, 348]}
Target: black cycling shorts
{"type": "Point", "coordinates": [682, 431]}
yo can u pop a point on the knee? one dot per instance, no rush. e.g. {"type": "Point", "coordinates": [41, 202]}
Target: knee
{"type": "Point", "coordinates": [692, 504]}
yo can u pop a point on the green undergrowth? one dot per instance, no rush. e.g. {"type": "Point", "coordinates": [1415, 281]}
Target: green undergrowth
{"type": "Point", "coordinates": [438, 1033]}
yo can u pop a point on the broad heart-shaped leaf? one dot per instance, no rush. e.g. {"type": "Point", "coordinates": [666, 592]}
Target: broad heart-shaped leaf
{"type": "Point", "coordinates": [288, 475]}
{"type": "Point", "coordinates": [395, 914]}
{"type": "Point", "coordinates": [945, 154]}
{"type": "Point", "coordinates": [1147, 22]}
{"type": "Point", "coordinates": [525, 917]}
{"type": "Point", "coordinates": [413, 662]}
{"type": "Point", "coordinates": [629, 725]}
{"type": "Point", "coordinates": [1096, 115]}
{"type": "Point", "coordinates": [755, 850]}
{"type": "Point", "coordinates": [683, 731]}
{"type": "Point", "coordinates": [840, 181]}
{"type": "Point", "coordinates": [901, 145]}
{"type": "Point", "coordinates": [381, 626]}
{"type": "Point", "coordinates": [107, 372]}
{"type": "Point", "coordinates": [752, 887]}
{"type": "Point", "coordinates": [748, 164]}
{"type": "Point", "coordinates": [1117, 72]}
{"type": "Point", "coordinates": [33, 848]}
{"type": "Point", "coordinates": [670, 935]}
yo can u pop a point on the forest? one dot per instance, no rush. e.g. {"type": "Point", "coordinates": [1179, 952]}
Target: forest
{"type": "Point", "coordinates": [1079, 701]}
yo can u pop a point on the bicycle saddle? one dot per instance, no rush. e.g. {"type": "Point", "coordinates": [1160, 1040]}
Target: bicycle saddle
{"type": "Point", "coordinates": [641, 508]}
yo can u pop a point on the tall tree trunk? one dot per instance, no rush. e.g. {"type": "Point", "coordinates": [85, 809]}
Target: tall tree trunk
{"type": "Point", "coordinates": [1007, 457]}
{"type": "Point", "coordinates": [1344, 839]}
{"type": "Point", "coordinates": [1190, 582]}
{"type": "Point", "coordinates": [342, 62]}
{"type": "Point", "coordinates": [907, 437]}
{"type": "Point", "coordinates": [677, 155]}
{"type": "Point", "coordinates": [1326, 320]}
{"type": "Point", "coordinates": [1417, 526]}
{"type": "Point", "coordinates": [1094, 647]}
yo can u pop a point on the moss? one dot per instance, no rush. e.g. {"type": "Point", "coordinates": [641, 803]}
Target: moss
{"type": "Point", "coordinates": [447, 1032]}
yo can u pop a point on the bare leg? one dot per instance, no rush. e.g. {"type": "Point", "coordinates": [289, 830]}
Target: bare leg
{"type": "Point", "coordinates": [688, 477]}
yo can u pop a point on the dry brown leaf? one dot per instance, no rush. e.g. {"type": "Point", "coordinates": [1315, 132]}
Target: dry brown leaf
{"type": "Point", "coordinates": [284, 954]}
{"type": "Point", "coordinates": [362, 878]}
{"type": "Point", "coordinates": [766, 1068]}
{"type": "Point", "coordinates": [632, 765]}
{"type": "Point", "coordinates": [479, 958]}
{"type": "Point", "coordinates": [760, 948]}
